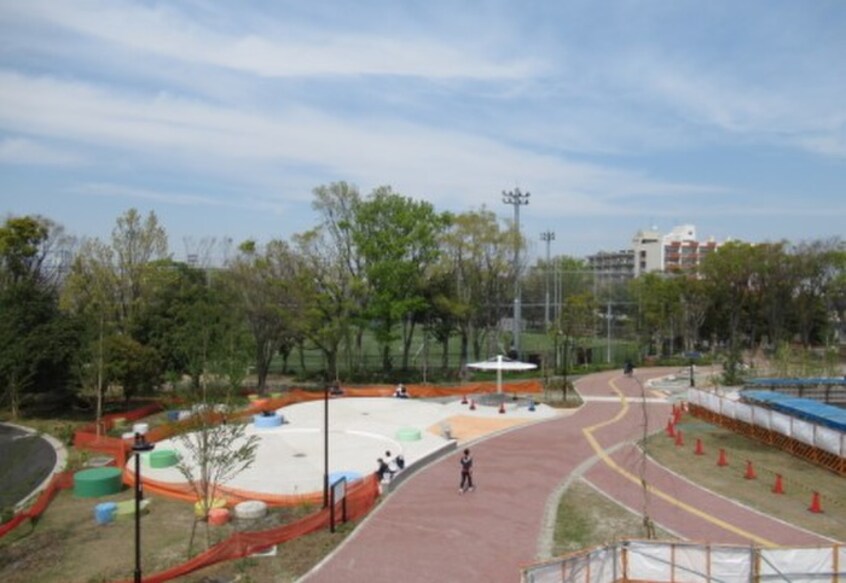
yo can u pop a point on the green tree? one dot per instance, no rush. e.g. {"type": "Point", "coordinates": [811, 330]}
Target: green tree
{"type": "Point", "coordinates": [215, 453]}
{"type": "Point", "coordinates": [271, 292]}
{"type": "Point", "coordinates": [37, 342]}
{"type": "Point", "coordinates": [476, 257]}
{"type": "Point", "coordinates": [398, 241]}
{"type": "Point", "coordinates": [731, 273]}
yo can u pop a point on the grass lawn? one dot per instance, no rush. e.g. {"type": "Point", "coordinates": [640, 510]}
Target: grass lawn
{"type": "Point", "coordinates": [800, 478]}
{"type": "Point", "coordinates": [587, 519]}
{"type": "Point", "coordinates": [66, 540]}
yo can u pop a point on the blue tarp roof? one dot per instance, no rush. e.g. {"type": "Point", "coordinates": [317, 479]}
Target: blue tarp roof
{"type": "Point", "coordinates": [807, 409]}
{"type": "Point", "coordinates": [803, 382]}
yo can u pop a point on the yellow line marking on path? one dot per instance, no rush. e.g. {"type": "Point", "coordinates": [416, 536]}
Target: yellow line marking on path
{"type": "Point", "coordinates": [603, 455]}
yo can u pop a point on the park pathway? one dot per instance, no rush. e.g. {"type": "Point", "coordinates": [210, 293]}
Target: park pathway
{"type": "Point", "coordinates": [426, 531]}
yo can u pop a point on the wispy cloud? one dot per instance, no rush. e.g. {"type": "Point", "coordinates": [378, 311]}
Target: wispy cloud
{"type": "Point", "coordinates": [112, 190]}
{"type": "Point", "coordinates": [297, 50]}
{"type": "Point", "coordinates": [435, 163]}
{"type": "Point", "coordinates": [25, 151]}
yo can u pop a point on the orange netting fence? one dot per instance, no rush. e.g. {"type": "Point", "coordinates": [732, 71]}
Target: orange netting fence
{"type": "Point", "coordinates": [361, 496]}
{"type": "Point", "coordinates": [60, 481]}
{"type": "Point", "coordinates": [93, 437]}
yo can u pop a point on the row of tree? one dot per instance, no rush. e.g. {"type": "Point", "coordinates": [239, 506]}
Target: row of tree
{"type": "Point", "coordinates": [88, 314]}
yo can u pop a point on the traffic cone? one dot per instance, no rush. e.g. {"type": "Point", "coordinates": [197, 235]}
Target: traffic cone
{"type": "Point", "coordinates": [671, 429]}
{"type": "Point", "coordinates": [679, 438]}
{"type": "Point", "coordinates": [750, 471]}
{"type": "Point", "coordinates": [815, 503]}
{"type": "Point", "coordinates": [502, 407]}
{"type": "Point", "coordinates": [677, 414]}
{"type": "Point", "coordinates": [722, 461]}
{"type": "Point", "coordinates": [464, 399]}
{"type": "Point", "coordinates": [778, 487]}
{"type": "Point", "coordinates": [472, 405]}
{"type": "Point", "coordinates": [699, 449]}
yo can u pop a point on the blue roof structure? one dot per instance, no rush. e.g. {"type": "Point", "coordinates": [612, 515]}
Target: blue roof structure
{"type": "Point", "coordinates": [807, 409]}
{"type": "Point", "coordinates": [797, 382]}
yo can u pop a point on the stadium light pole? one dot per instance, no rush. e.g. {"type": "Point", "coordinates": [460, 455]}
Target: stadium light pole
{"type": "Point", "coordinates": [547, 237]}
{"type": "Point", "coordinates": [139, 446]}
{"type": "Point", "coordinates": [516, 199]}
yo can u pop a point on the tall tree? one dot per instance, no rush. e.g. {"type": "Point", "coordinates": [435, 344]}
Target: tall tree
{"type": "Point", "coordinates": [272, 295]}
{"type": "Point", "coordinates": [37, 342]}
{"type": "Point", "coordinates": [397, 238]}
{"type": "Point", "coordinates": [476, 255]}
{"type": "Point", "coordinates": [730, 272]}
{"type": "Point", "coordinates": [136, 243]}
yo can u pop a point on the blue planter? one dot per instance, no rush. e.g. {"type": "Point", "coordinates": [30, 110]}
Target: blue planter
{"type": "Point", "coordinates": [267, 421]}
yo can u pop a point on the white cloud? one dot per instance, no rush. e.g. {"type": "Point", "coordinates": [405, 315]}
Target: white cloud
{"type": "Point", "coordinates": [445, 166]}
{"type": "Point", "coordinates": [292, 50]}
{"type": "Point", "coordinates": [24, 151]}
{"type": "Point", "coordinates": [112, 190]}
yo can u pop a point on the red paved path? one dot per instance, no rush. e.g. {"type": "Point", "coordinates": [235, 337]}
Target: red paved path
{"type": "Point", "coordinates": [426, 531]}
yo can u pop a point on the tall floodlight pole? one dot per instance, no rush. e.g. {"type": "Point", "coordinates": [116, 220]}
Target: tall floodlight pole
{"type": "Point", "coordinates": [516, 199]}
{"type": "Point", "coordinates": [547, 237]}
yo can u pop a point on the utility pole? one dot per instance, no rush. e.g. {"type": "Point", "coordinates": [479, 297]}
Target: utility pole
{"type": "Point", "coordinates": [516, 199]}
{"type": "Point", "coordinates": [547, 237]}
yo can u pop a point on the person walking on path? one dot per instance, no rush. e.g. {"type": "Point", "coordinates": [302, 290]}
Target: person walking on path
{"type": "Point", "coordinates": [466, 462]}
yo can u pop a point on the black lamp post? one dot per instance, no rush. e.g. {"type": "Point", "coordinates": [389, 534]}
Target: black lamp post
{"type": "Point", "coordinates": [139, 446]}
{"type": "Point", "coordinates": [326, 447]}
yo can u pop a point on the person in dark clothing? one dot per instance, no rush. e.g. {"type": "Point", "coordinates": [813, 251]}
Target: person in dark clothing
{"type": "Point", "coordinates": [466, 462]}
{"type": "Point", "coordinates": [383, 470]}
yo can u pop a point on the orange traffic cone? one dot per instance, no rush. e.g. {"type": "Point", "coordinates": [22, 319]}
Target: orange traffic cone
{"type": "Point", "coordinates": [472, 405]}
{"type": "Point", "coordinates": [671, 429]}
{"type": "Point", "coordinates": [677, 414]}
{"type": "Point", "coordinates": [722, 461]}
{"type": "Point", "coordinates": [679, 438]}
{"type": "Point", "coordinates": [699, 449]}
{"type": "Point", "coordinates": [464, 399]}
{"type": "Point", "coordinates": [815, 503]}
{"type": "Point", "coordinates": [750, 471]}
{"type": "Point", "coordinates": [502, 407]}
{"type": "Point", "coordinates": [778, 487]}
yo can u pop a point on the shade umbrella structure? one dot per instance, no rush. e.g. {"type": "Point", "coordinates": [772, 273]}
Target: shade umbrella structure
{"type": "Point", "coordinates": [501, 363]}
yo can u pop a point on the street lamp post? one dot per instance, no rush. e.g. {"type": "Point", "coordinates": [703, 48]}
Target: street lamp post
{"type": "Point", "coordinates": [516, 199]}
{"type": "Point", "coordinates": [140, 446]}
{"type": "Point", "coordinates": [547, 236]}
{"type": "Point", "coordinates": [326, 447]}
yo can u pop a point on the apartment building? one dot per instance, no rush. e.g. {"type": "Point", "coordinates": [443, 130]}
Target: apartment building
{"type": "Point", "coordinates": [678, 250]}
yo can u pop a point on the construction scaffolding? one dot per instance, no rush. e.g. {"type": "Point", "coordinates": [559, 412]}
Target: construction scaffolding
{"type": "Point", "coordinates": [638, 561]}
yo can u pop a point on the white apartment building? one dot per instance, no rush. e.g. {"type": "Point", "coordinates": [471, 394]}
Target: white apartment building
{"type": "Point", "coordinates": [651, 251]}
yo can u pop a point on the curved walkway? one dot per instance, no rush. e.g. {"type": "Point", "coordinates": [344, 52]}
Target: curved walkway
{"type": "Point", "coordinates": [27, 462]}
{"type": "Point", "coordinates": [426, 531]}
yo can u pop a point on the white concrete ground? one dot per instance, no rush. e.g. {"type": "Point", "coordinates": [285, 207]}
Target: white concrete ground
{"type": "Point", "coordinates": [290, 458]}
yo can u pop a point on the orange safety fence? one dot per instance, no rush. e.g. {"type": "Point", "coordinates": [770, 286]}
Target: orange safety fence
{"type": "Point", "coordinates": [361, 496]}
{"type": "Point", "coordinates": [60, 481]}
{"type": "Point", "coordinates": [183, 491]}
{"type": "Point", "coordinates": [90, 438]}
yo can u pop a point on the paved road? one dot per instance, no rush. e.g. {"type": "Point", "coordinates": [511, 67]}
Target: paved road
{"type": "Point", "coordinates": [26, 459]}
{"type": "Point", "coordinates": [426, 531]}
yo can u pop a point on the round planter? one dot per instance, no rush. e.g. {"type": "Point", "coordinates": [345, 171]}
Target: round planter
{"type": "Point", "coordinates": [96, 482]}
{"type": "Point", "coordinates": [408, 434]}
{"type": "Point", "coordinates": [218, 516]}
{"type": "Point", "coordinates": [163, 458]}
{"type": "Point", "coordinates": [250, 510]}
{"type": "Point", "coordinates": [267, 421]}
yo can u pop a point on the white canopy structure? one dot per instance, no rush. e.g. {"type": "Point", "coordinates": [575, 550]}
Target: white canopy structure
{"type": "Point", "coordinates": [501, 363]}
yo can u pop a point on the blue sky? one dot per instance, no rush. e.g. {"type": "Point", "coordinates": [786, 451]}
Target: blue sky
{"type": "Point", "coordinates": [223, 116]}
